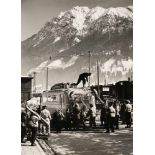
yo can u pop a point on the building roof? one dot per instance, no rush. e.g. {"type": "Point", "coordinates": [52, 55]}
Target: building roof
{"type": "Point", "coordinates": [26, 77]}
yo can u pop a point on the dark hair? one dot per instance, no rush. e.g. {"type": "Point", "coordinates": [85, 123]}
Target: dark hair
{"type": "Point", "coordinates": [110, 103]}
{"type": "Point", "coordinates": [127, 102]}
{"type": "Point", "coordinates": [91, 105]}
{"type": "Point", "coordinates": [44, 106]}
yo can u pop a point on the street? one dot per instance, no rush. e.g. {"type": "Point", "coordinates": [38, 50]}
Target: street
{"type": "Point", "coordinates": [92, 142]}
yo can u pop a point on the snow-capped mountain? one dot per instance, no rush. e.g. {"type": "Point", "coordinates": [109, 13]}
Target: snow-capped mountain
{"type": "Point", "coordinates": [107, 33]}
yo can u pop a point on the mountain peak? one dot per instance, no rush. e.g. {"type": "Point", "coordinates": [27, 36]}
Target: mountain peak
{"type": "Point", "coordinates": [82, 9]}
{"type": "Point", "coordinates": [78, 15]}
{"type": "Point", "coordinates": [106, 32]}
{"type": "Point", "coordinates": [95, 13]}
{"type": "Point", "coordinates": [119, 11]}
{"type": "Point", "coordinates": [130, 7]}
{"type": "Point", "coordinates": [81, 21]}
{"type": "Point", "coordinates": [74, 11]}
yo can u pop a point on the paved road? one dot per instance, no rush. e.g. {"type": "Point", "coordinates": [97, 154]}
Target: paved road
{"type": "Point", "coordinates": [27, 149]}
{"type": "Point", "coordinates": [95, 142]}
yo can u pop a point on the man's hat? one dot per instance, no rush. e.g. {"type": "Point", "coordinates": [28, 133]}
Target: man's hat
{"type": "Point", "coordinates": [44, 106]}
{"type": "Point", "coordinates": [91, 105]}
{"type": "Point", "coordinates": [127, 101]}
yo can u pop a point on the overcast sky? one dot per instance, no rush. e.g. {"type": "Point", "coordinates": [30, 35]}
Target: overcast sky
{"type": "Point", "coordinates": [34, 13]}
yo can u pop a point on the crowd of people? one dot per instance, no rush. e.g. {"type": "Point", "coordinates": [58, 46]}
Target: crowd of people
{"type": "Point", "coordinates": [78, 114]}
{"type": "Point", "coordinates": [29, 127]}
{"type": "Point", "coordinates": [112, 113]}
{"type": "Point", "coordinates": [34, 122]}
{"type": "Point", "coordinates": [115, 113]}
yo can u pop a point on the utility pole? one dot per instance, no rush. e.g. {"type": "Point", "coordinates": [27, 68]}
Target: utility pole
{"type": "Point", "coordinates": [105, 79]}
{"type": "Point", "coordinates": [131, 75]}
{"type": "Point", "coordinates": [47, 73]}
{"type": "Point", "coordinates": [89, 69]}
{"type": "Point", "coordinates": [98, 78]}
{"type": "Point", "coordinates": [34, 82]}
{"type": "Point", "coordinates": [105, 83]}
{"type": "Point", "coordinates": [47, 78]}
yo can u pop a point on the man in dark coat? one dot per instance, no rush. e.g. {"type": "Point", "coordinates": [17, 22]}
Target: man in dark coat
{"type": "Point", "coordinates": [84, 78]}
{"type": "Point", "coordinates": [76, 116]}
{"type": "Point", "coordinates": [103, 116]}
{"type": "Point", "coordinates": [23, 125]}
{"type": "Point", "coordinates": [58, 118]}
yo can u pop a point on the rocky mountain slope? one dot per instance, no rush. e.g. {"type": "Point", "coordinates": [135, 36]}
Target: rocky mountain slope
{"type": "Point", "coordinates": [67, 38]}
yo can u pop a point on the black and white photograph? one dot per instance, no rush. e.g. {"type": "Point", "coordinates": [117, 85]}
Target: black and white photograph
{"type": "Point", "coordinates": [77, 77]}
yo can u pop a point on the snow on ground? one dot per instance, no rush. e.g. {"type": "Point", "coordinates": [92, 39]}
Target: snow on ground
{"type": "Point", "coordinates": [61, 14]}
{"type": "Point", "coordinates": [119, 11]}
{"type": "Point", "coordinates": [130, 7]}
{"type": "Point", "coordinates": [95, 13]}
{"type": "Point", "coordinates": [79, 13]}
{"type": "Point", "coordinates": [114, 66]}
{"type": "Point", "coordinates": [106, 67]}
{"type": "Point", "coordinates": [128, 64]}
{"type": "Point", "coordinates": [61, 50]}
{"type": "Point", "coordinates": [40, 39]}
{"type": "Point", "coordinates": [56, 39]}
{"type": "Point", "coordinates": [37, 43]}
{"type": "Point", "coordinates": [76, 40]}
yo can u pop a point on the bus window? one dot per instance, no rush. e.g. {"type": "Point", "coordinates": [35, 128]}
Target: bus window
{"type": "Point", "coordinates": [53, 97]}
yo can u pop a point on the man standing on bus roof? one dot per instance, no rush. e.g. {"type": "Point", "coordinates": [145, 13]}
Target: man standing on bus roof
{"type": "Point", "coordinates": [45, 114]}
{"type": "Point", "coordinates": [84, 78]}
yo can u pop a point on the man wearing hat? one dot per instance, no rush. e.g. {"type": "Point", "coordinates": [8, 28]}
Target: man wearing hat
{"type": "Point", "coordinates": [45, 114]}
{"type": "Point", "coordinates": [84, 78]}
{"type": "Point", "coordinates": [34, 128]}
{"type": "Point", "coordinates": [92, 115]}
{"type": "Point", "coordinates": [111, 114]}
{"type": "Point", "coordinates": [128, 110]}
